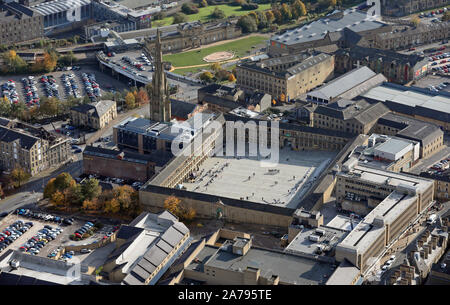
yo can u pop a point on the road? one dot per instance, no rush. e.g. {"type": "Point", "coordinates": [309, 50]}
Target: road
{"type": "Point", "coordinates": [424, 164]}
{"type": "Point", "coordinates": [33, 190]}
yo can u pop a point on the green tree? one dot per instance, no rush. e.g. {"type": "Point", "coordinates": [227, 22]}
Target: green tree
{"type": "Point", "coordinates": [189, 8]}
{"type": "Point", "coordinates": [286, 12]}
{"type": "Point", "coordinates": [91, 189]}
{"type": "Point", "coordinates": [17, 110]}
{"type": "Point", "coordinates": [203, 3]}
{"type": "Point", "coordinates": [269, 16]}
{"type": "Point", "coordinates": [179, 18]}
{"type": "Point", "coordinates": [13, 63]}
{"type": "Point", "coordinates": [63, 181]}
{"type": "Point", "coordinates": [5, 107]}
{"type": "Point", "coordinates": [218, 13]}
{"type": "Point", "coordinates": [247, 24]}
{"type": "Point", "coordinates": [50, 106]}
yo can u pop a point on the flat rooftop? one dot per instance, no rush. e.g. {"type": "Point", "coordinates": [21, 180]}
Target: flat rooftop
{"type": "Point", "coordinates": [245, 178]}
{"type": "Point", "coordinates": [302, 244]}
{"type": "Point", "coordinates": [289, 267]}
{"type": "Point", "coordinates": [392, 179]}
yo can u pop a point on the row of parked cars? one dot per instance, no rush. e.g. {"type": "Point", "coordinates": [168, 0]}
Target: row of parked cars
{"type": "Point", "coordinates": [30, 91]}
{"type": "Point", "coordinates": [440, 166]}
{"type": "Point", "coordinates": [13, 232]}
{"type": "Point", "coordinates": [44, 216]}
{"type": "Point", "coordinates": [85, 228]}
{"type": "Point", "coordinates": [9, 91]}
{"type": "Point", "coordinates": [50, 86]}
{"type": "Point", "coordinates": [91, 86]}
{"type": "Point", "coordinates": [71, 85]}
{"type": "Point", "coordinates": [34, 245]}
{"type": "Point", "coordinates": [439, 87]}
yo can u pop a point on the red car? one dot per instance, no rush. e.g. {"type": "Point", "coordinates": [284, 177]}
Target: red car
{"type": "Point", "coordinates": [443, 61]}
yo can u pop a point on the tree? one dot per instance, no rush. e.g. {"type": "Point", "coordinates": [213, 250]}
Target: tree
{"type": "Point", "coordinates": [50, 60]}
{"type": "Point", "coordinates": [91, 205]}
{"type": "Point", "coordinates": [50, 188]}
{"type": "Point", "coordinates": [231, 78]}
{"type": "Point", "coordinates": [130, 100]}
{"type": "Point", "coordinates": [19, 176]}
{"type": "Point", "coordinates": [179, 18]}
{"type": "Point", "coordinates": [57, 199]}
{"type": "Point", "coordinates": [50, 106]}
{"type": "Point", "coordinates": [18, 109]}
{"type": "Point", "coordinates": [203, 3]}
{"type": "Point", "coordinates": [13, 62]}
{"type": "Point", "coordinates": [90, 189]}
{"type": "Point", "coordinates": [142, 97]}
{"type": "Point", "coordinates": [216, 67]}
{"type": "Point", "coordinates": [282, 97]}
{"type": "Point", "coordinates": [303, 11]}
{"type": "Point", "coordinates": [247, 24]}
{"type": "Point", "coordinates": [63, 181]}
{"type": "Point", "coordinates": [189, 214]}
{"type": "Point", "coordinates": [5, 107]}
{"type": "Point", "coordinates": [2, 194]}
{"type": "Point", "coordinates": [222, 75]}
{"type": "Point", "coordinates": [446, 16]}
{"type": "Point", "coordinates": [278, 16]}
{"type": "Point", "coordinates": [270, 17]}
{"type": "Point", "coordinates": [172, 204]}
{"type": "Point", "coordinates": [218, 14]}
{"type": "Point", "coordinates": [112, 206]}
{"type": "Point", "coordinates": [415, 20]}
{"type": "Point", "coordinates": [286, 12]}
{"type": "Point", "coordinates": [189, 8]}
{"type": "Point", "coordinates": [207, 76]}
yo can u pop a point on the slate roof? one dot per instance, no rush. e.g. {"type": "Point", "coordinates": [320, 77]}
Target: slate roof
{"type": "Point", "coordinates": [343, 83]}
{"type": "Point", "coordinates": [10, 135]}
{"type": "Point", "coordinates": [354, 19]}
{"type": "Point", "coordinates": [97, 109]}
{"type": "Point", "coordinates": [181, 109]}
{"type": "Point", "coordinates": [411, 128]}
{"type": "Point", "coordinates": [373, 54]}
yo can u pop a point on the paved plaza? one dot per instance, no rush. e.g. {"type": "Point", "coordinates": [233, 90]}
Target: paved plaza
{"type": "Point", "coordinates": [244, 178]}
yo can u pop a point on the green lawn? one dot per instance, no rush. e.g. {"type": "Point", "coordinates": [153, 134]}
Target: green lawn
{"type": "Point", "coordinates": [204, 13]}
{"type": "Point", "coordinates": [240, 48]}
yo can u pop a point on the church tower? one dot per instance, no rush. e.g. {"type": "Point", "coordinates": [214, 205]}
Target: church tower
{"type": "Point", "coordinates": [160, 101]}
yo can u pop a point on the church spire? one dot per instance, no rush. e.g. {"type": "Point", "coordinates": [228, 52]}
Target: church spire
{"type": "Point", "coordinates": [160, 102]}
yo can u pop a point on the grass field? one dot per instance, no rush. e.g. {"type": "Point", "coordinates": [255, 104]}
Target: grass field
{"type": "Point", "coordinates": [204, 13]}
{"type": "Point", "coordinates": [240, 48]}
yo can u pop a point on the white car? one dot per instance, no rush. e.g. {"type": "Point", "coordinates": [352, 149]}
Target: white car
{"type": "Point", "coordinates": [392, 258]}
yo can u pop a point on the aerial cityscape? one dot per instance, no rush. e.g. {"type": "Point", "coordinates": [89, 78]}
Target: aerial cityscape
{"type": "Point", "coordinates": [224, 143]}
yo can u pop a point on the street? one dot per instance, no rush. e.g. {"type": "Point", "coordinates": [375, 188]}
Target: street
{"type": "Point", "coordinates": [31, 192]}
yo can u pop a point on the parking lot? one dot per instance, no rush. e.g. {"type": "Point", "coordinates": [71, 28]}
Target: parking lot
{"type": "Point", "coordinates": [105, 81]}
{"type": "Point", "coordinates": [41, 229]}
{"type": "Point", "coordinates": [434, 81]}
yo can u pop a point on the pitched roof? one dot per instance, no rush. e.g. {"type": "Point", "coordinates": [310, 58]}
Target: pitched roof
{"type": "Point", "coordinates": [181, 109]}
{"type": "Point", "coordinates": [10, 135]}
{"type": "Point", "coordinates": [97, 109]}
{"type": "Point", "coordinates": [343, 83]}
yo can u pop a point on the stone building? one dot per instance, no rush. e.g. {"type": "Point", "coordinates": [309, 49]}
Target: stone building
{"type": "Point", "coordinates": [399, 8]}
{"type": "Point", "coordinates": [96, 115]}
{"type": "Point", "coordinates": [348, 116]}
{"type": "Point", "coordinates": [33, 149]}
{"type": "Point", "coordinates": [121, 164]}
{"type": "Point", "coordinates": [288, 76]}
{"type": "Point", "coordinates": [19, 23]}
{"type": "Point", "coordinates": [192, 35]}
{"type": "Point", "coordinates": [326, 31]}
{"type": "Point", "coordinates": [396, 67]}
{"type": "Point", "coordinates": [407, 36]}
